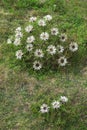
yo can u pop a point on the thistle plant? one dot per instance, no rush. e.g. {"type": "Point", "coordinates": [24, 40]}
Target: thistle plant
{"type": "Point", "coordinates": [41, 44]}
{"type": "Point", "coordinates": [52, 112]}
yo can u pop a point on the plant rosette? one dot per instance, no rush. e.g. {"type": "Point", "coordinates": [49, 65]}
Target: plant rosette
{"type": "Point", "coordinates": [41, 44]}
{"type": "Point", "coordinates": [52, 111]}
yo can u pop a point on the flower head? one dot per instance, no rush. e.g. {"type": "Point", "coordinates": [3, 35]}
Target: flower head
{"type": "Point", "coordinates": [63, 99]}
{"type": "Point", "coordinates": [32, 19]}
{"type": "Point", "coordinates": [30, 39]}
{"type": "Point", "coordinates": [19, 54]}
{"type": "Point", "coordinates": [73, 47]}
{"type": "Point", "coordinates": [41, 22]}
{"type": "Point", "coordinates": [29, 47]}
{"type": "Point", "coordinates": [56, 104]}
{"type": "Point", "coordinates": [60, 49]}
{"type": "Point", "coordinates": [51, 49]}
{"type": "Point", "coordinates": [62, 61]}
{"type": "Point", "coordinates": [29, 28]}
{"type": "Point", "coordinates": [48, 17]}
{"type": "Point", "coordinates": [9, 41]}
{"type": "Point", "coordinates": [17, 41]}
{"type": "Point", "coordinates": [54, 31]}
{"type": "Point", "coordinates": [44, 108]}
{"type": "Point", "coordinates": [63, 37]}
{"type": "Point", "coordinates": [39, 53]}
{"type": "Point", "coordinates": [37, 65]}
{"type": "Point", "coordinates": [44, 36]}
{"type": "Point", "coordinates": [18, 29]}
{"type": "Point", "coordinates": [18, 35]}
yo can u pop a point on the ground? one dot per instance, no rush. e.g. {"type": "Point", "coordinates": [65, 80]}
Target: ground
{"type": "Point", "coordinates": [19, 89]}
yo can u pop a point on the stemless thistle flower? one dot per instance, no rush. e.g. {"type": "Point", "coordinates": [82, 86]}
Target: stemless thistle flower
{"type": "Point", "coordinates": [44, 36]}
{"type": "Point", "coordinates": [29, 28]}
{"type": "Point", "coordinates": [54, 5]}
{"type": "Point", "coordinates": [56, 104]}
{"type": "Point", "coordinates": [32, 19]}
{"type": "Point", "coordinates": [73, 46]}
{"type": "Point", "coordinates": [29, 47]}
{"type": "Point", "coordinates": [44, 108]}
{"type": "Point", "coordinates": [9, 41]}
{"type": "Point", "coordinates": [62, 61]}
{"type": "Point", "coordinates": [48, 17]}
{"type": "Point", "coordinates": [63, 37]}
{"type": "Point", "coordinates": [18, 35]}
{"type": "Point", "coordinates": [39, 53]}
{"type": "Point", "coordinates": [17, 41]}
{"type": "Point", "coordinates": [63, 99]}
{"type": "Point", "coordinates": [51, 49]}
{"type": "Point", "coordinates": [19, 54]}
{"type": "Point", "coordinates": [30, 39]}
{"type": "Point", "coordinates": [41, 22]}
{"type": "Point", "coordinates": [60, 49]}
{"type": "Point", "coordinates": [37, 65]}
{"type": "Point", "coordinates": [18, 29]}
{"type": "Point", "coordinates": [54, 31]}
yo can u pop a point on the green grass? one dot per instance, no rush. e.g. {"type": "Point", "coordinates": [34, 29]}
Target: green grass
{"type": "Point", "coordinates": [19, 90]}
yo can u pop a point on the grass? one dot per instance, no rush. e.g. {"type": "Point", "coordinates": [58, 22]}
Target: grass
{"type": "Point", "coordinates": [19, 90]}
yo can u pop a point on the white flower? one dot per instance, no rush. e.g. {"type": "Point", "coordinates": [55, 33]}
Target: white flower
{"type": "Point", "coordinates": [48, 17]}
{"type": "Point", "coordinates": [44, 108]}
{"type": "Point", "coordinates": [32, 19]}
{"type": "Point", "coordinates": [18, 35]}
{"type": "Point", "coordinates": [60, 49]}
{"type": "Point", "coordinates": [17, 41]}
{"type": "Point", "coordinates": [55, 5]}
{"type": "Point", "coordinates": [9, 41]}
{"type": "Point", "coordinates": [30, 39]}
{"type": "Point", "coordinates": [63, 99]}
{"type": "Point", "coordinates": [63, 37]}
{"type": "Point", "coordinates": [56, 104]}
{"type": "Point", "coordinates": [39, 53]}
{"type": "Point", "coordinates": [73, 47]}
{"type": "Point", "coordinates": [62, 61]}
{"type": "Point", "coordinates": [29, 47]}
{"type": "Point", "coordinates": [51, 49]}
{"type": "Point", "coordinates": [29, 28]}
{"type": "Point", "coordinates": [37, 65]}
{"type": "Point", "coordinates": [18, 29]}
{"type": "Point", "coordinates": [41, 22]}
{"type": "Point", "coordinates": [19, 54]}
{"type": "Point", "coordinates": [54, 31]}
{"type": "Point", "coordinates": [44, 36]}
